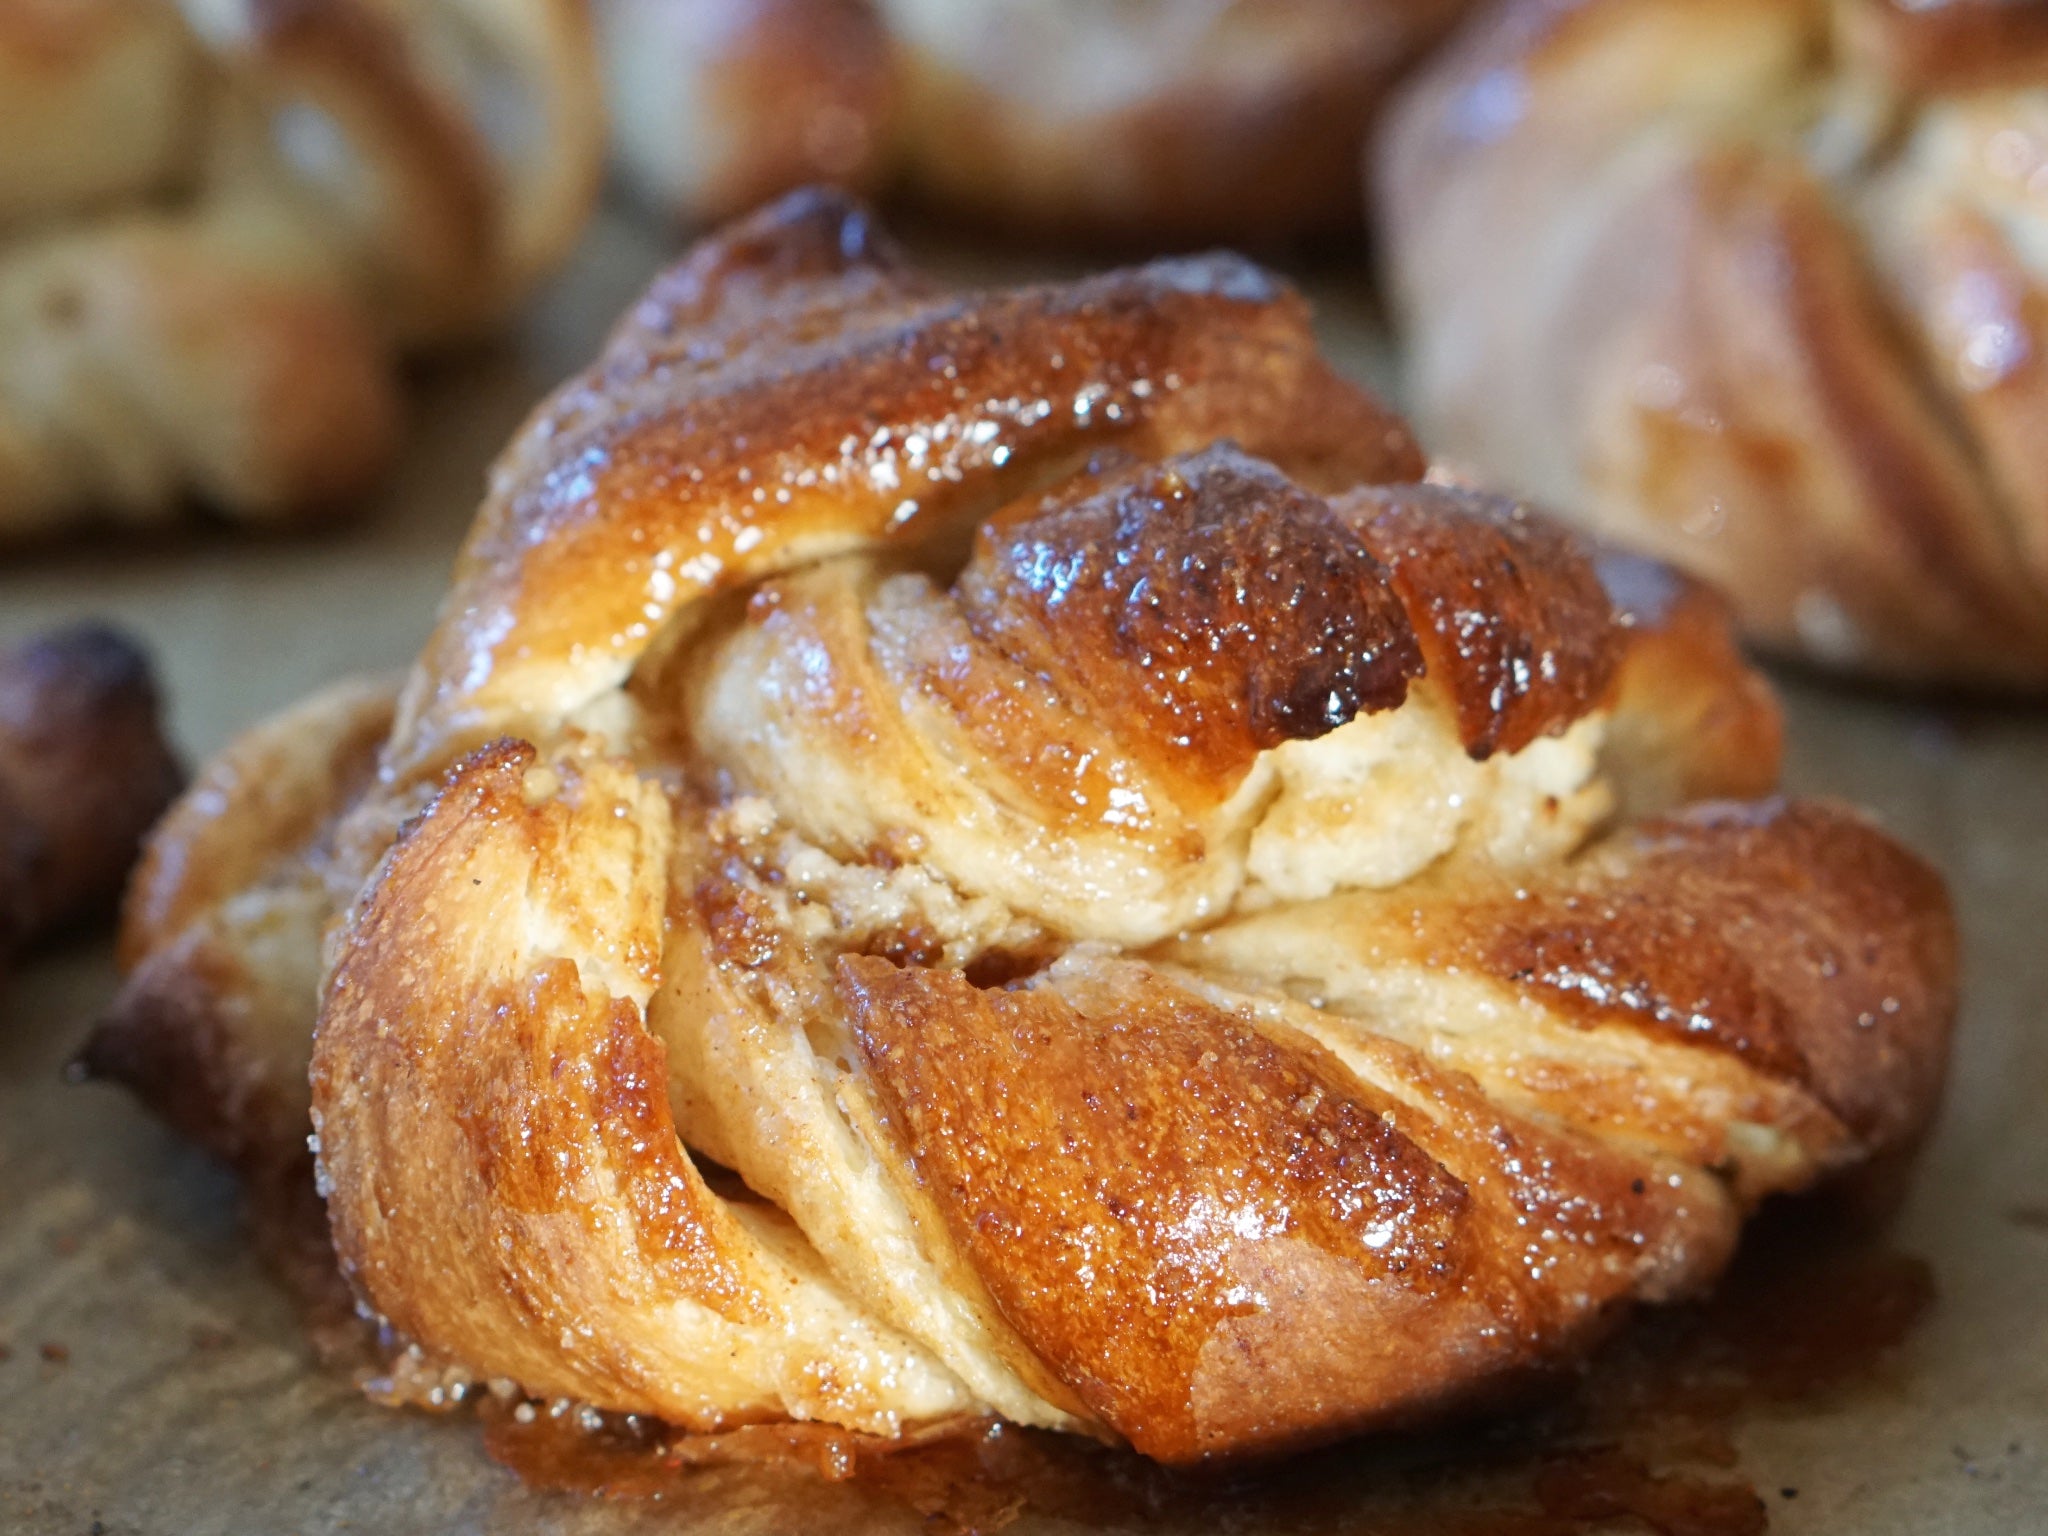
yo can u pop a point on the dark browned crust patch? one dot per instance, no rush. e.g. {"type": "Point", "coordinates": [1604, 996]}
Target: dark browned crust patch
{"type": "Point", "coordinates": [1206, 604]}
{"type": "Point", "coordinates": [84, 770]}
{"type": "Point", "coordinates": [1512, 616]}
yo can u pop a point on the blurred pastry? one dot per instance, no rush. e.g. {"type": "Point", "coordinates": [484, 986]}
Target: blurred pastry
{"type": "Point", "coordinates": [224, 223]}
{"type": "Point", "coordinates": [84, 771]}
{"type": "Point", "coordinates": [1161, 122]}
{"type": "Point", "coordinates": [718, 107]}
{"type": "Point", "coordinates": [1756, 286]}
{"type": "Point", "coordinates": [1188, 932]}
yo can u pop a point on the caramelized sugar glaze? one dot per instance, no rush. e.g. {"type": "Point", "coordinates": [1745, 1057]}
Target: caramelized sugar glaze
{"type": "Point", "coordinates": [1181, 930]}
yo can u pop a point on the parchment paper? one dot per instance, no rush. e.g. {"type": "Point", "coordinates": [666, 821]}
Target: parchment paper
{"type": "Point", "coordinates": [177, 1393]}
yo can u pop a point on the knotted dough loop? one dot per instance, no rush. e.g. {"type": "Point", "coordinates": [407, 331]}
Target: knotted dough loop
{"type": "Point", "coordinates": [222, 222]}
{"type": "Point", "coordinates": [1757, 286]}
{"type": "Point", "coordinates": [1030, 864]}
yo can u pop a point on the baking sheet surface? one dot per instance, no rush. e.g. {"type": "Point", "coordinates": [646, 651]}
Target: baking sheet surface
{"type": "Point", "coordinates": [156, 1380]}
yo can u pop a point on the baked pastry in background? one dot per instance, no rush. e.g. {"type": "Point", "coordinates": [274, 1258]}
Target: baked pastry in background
{"type": "Point", "coordinates": [716, 109]}
{"type": "Point", "coordinates": [84, 771]}
{"type": "Point", "coordinates": [1185, 930]}
{"type": "Point", "coordinates": [1160, 122]}
{"type": "Point", "coordinates": [224, 223]}
{"type": "Point", "coordinates": [1757, 286]}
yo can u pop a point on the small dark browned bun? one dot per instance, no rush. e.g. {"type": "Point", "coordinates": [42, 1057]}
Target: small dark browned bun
{"type": "Point", "coordinates": [84, 771]}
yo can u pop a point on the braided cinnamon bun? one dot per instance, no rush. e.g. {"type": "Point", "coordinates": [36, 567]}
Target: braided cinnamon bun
{"type": "Point", "coordinates": [1757, 286]}
{"type": "Point", "coordinates": [223, 223]}
{"type": "Point", "coordinates": [1183, 930]}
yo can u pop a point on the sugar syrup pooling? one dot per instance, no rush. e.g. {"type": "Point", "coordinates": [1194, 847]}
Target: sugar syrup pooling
{"type": "Point", "coordinates": [1815, 1312]}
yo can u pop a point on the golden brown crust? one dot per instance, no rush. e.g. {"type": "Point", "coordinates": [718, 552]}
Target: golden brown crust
{"type": "Point", "coordinates": [1692, 721]}
{"type": "Point", "coordinates": [597, 1118]}
{"type": "Point", "coordinates": [791, 390]}
{"type": "Point", "coordinates": [500, 1161]}
{"type": "Point", "coordinates": [744, 998]}
{"type": "Point", "coordinates": [1794, 936]}
{"type": "Point", "coordinates": [1725, 985]}
{"type": "Point", "coordinates": [217, 1054]}
{"type": "Point", "coordinates": [1140, 1176]}
{"type": "Point", "coordinates": [1746, 285]}
{"type": "Point", "coordinates": [272, 793]}
{"type": "Point", "coordinates": [1116, 1179]}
